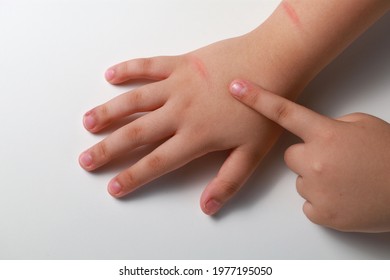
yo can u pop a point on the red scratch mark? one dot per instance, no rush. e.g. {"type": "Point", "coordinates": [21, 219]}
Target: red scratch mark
{"type": "Point", "coordinates": [291, 12]}
{"type": "Point", "coordinates": [199, 66]}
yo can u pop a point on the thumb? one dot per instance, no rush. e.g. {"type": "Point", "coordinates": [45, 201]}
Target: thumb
{"type": "Point", "coordinates": [295, 118]}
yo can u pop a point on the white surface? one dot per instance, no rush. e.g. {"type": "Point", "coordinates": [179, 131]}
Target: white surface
{"type": "Point", "coordinates": [52, 59]}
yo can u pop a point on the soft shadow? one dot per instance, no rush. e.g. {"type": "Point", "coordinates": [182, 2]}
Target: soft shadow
{"type": "Point", "coordinates": [365, 62]}
{"type": "Point", "coordinates": [350, 76]}
{"type": "Point", "coordinates": [134, 83]}
{"type": "Point", "coordinates": [192, 174]}
{"type": "Point", "coordinates": [375, 246]}
{"type": "Point", "coordinates": [360, 67]}
{"type": "Point", "coordinates": [118, 124]}
{"type": "Point", "coordinates": [205, 168]}
{"type": "Point", "coordinates": [127, 87]}
{"type": "Point", "coordinates": [126, 160]}
{"type": "Point", "coordinates": [263, 179]}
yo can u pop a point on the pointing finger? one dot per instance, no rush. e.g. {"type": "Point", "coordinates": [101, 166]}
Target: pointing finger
{"type": "Point", "coordinates": [297, 119]}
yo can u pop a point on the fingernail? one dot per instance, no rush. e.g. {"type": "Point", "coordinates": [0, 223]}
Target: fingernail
{"type": "Point", "coordinates": [238, 89]}
{"type": "Point", "coordinates": [110, 73]}
{"type": "Point", "coordinates": [86, 159]}
{"type": "Point", "coordinates": [212, 206]}
{"type": "Point", "coordinates": [89, 121]}
{"type": "Point", "coordinates": [114, 187]}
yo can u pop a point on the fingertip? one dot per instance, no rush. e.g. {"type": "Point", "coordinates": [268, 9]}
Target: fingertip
{"type": "Point", "coordinates": [86, 161]}
{"type": "Point", "coordinates": [238, 88]}
{"type": "Point", "coordinates": [309, 212]}
{"type": "Point", "coordinates": [89, 121]}
{"type": "Point", "coordinates": [211, 206]}
{"type": "Point", "coordinates": [231, 177]}
{"type": "Point", "coordinates": [109, 74]}
{"type": "Point", "coordinates": [209, 203]}
{"type": "Point", "coordinates": [114, 188]}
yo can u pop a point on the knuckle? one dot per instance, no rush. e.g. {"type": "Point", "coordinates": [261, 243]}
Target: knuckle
{"type": "Point", "coordinates": [299, 186]}
{"type": "Point", "coordinates": [103, 110]}
{"type": "Point", "coordinates": [229, 189]}
{"type": "Point", "coordinates": [311, 214]}
{"type": "Point", "coordinates": [135, 97]}
{"type": "Point", "coordinates": [252, 99]}
{"type": "Point", "coordinates": [145, 65]}
{"type": "Point", "coordinates": [312, 218]}
{"type": "Point", "coordinates": [128, 180]}
{"type": "Point", "coordinates": [294, 155]}
{"type": "Point", "coordinates": [103, 114]}
{"type": "Point", "coordinates": [102, 152]}
{"type": "Point", "coordinates": [289, 154]}
{"type": "Point", "coordinates": [133, 134]}
{"type": "Point", "coordinates": [155, 162]}
{"type": "Point", "coordinates": [281, 112]}
{"type": "Point", "coordinates": [318, 167]}
{"type": "Point", "coordinates": [308, 213]}
{"type": "Point", "coordinates": [357, 116]}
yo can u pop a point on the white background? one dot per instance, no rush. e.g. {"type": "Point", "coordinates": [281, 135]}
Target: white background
{"type": "Point", "coordinates": [52, 58]}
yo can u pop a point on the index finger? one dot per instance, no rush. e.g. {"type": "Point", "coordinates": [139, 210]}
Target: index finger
{"type": "Point", "coordinates": [152, 68]}
{"type": "Point", "coordinates": [296, 118]}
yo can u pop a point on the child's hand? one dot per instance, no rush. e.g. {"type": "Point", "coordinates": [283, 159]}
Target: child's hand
{"type": "Point", "coordinates": [343, 165]}
{"type": "Point", "coordinates": [191, 111]}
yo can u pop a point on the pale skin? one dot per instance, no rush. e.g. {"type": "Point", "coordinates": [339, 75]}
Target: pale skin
{"type": "Point", "coordinates": [342, 165]}
{"type": "Point", "coordinates": [190, 110]}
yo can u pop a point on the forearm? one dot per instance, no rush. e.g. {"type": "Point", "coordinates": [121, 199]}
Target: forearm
{"type": "Point", "coordinates": [301, 37]}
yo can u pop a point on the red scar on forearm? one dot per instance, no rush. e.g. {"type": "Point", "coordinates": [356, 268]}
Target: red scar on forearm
{"type": "Point", "coordinates": [291, 12]}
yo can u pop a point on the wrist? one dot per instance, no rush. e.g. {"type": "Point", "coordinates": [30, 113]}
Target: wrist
{"type": "Point", "coordinates": [301, 37]}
